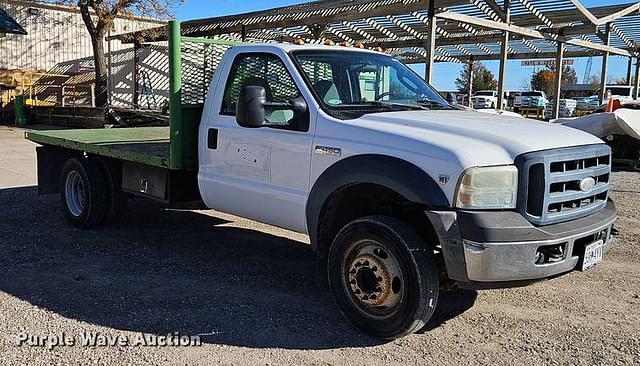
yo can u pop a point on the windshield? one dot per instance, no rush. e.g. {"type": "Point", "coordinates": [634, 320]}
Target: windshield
{"type": "Point", "coordinates": [366, 82]}
{"type": "Point", "coordinates": [484, 93]}
{"type": "Point", "coordinates": [532, 94]}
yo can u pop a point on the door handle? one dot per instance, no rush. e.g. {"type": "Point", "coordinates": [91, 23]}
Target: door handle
{"type": "Point", "coordinates": [212, 138]}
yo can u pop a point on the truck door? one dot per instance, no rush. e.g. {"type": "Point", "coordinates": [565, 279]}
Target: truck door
{"type": "Point", "coordinates": [258, 173]}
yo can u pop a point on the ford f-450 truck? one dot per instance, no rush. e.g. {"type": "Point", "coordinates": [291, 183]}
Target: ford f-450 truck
{"type": "Point", "coordinates": [400, 193]}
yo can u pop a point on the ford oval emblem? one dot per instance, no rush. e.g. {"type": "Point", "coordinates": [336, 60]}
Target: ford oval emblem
{"type": "Point", "coordinates": [587, 184]}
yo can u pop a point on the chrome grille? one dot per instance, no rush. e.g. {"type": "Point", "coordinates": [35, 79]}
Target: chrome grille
{"type": "Point", "coordinates": [550, 183]}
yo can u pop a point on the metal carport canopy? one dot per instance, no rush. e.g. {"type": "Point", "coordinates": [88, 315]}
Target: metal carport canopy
{"type": "Point", "coordinates": [464, 28]}
{"type": "Point", "coordinates": [427, 31]}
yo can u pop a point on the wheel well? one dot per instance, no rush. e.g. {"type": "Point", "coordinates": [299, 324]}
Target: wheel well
{"type": "Point", "coordinates": [354, 201]}
{"type": "Point", "coordinates": [51, 160]}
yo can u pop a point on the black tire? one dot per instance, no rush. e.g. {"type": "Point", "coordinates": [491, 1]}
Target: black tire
{"type": "Point", "coordinates": [493, 106]}
{"type": "Point", "coordinates": [409, 302]}
{"type": "Point", "coordinates": [118, 199]}
{"type": "Point", "coordinates": [91, 207]}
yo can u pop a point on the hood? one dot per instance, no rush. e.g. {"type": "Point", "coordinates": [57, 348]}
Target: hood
{"type": "Point", "coordinates": [477, 138]}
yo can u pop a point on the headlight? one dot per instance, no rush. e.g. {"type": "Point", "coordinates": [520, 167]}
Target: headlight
{"type": "Point", "coordinates": [488, 188]}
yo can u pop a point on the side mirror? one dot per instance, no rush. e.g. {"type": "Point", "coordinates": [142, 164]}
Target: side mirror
{"type": "Point", "coordinates": [250, 107]}
{"type": "Point", "coordinates": [252, 103]}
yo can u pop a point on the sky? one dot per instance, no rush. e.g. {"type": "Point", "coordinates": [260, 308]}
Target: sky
{"type": "Point", "coordinates": [445, 73]}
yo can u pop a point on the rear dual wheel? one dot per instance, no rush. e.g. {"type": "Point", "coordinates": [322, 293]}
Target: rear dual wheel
{"type": "Point", "coordinates": [83, 193]}
{"type": "Point", "coordinates": [382, 277]}
{"type": "Point", "coordinates": [90, 194]}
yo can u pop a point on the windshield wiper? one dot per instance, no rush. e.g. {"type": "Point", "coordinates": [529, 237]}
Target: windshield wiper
{"type": "Point", "coordinates": [395, 104]}
{"type": "Point", "coordinates": [430, 102]}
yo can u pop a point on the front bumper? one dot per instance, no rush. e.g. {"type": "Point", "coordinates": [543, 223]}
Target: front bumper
{"type": "Point", "coordinates": [481, 104]}
{"type": "Point", "coordinates": [497, 248]}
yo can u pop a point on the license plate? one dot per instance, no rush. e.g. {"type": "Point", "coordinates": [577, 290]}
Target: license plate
{"type": "Point", "coordinates": [592, 255]}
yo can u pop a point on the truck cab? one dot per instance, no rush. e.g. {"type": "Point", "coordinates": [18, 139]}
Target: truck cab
{"type": "Point", "coordinates": [400, 193]}
{"type": "Point", "coordinates": [328, 141]}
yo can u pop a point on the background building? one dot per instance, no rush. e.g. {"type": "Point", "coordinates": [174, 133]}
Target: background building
{"type": "Point", "coordinates": [56, 52]}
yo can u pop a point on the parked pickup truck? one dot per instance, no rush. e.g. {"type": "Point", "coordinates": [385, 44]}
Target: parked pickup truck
{"type": "Point", "coordinates": [531, 99]}
{"type": "Point", "coordinates": [483, 99]}
{"type": "Point", "coordinates": [400, 193]}
{"type": "Point", "coordinates": [623, 93]}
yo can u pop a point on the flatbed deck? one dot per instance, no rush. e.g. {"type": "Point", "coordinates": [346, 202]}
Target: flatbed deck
{"type": "Point", "coordinates": [146, 145]}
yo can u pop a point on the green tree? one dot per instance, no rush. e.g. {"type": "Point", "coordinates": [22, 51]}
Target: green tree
{"type": "Point", "coordinates": [483, 79]}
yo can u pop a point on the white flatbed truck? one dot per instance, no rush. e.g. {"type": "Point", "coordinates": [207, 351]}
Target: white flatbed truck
{"type": "Point", "coordinates": [400, 193]}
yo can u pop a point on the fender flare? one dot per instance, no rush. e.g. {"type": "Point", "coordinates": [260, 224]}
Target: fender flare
{"type": "Point", "coordinates": [396, 174]}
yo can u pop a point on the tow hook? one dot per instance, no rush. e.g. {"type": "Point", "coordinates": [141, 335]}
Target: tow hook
{"type": "Point", "coordinates": [614, 231]}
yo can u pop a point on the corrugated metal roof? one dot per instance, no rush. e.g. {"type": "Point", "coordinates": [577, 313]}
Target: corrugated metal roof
{"type": "Point", "coordinates": [465, 29]}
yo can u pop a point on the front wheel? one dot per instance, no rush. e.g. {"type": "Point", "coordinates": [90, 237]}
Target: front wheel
{"type": "Point", "coordinates": [383, 278]}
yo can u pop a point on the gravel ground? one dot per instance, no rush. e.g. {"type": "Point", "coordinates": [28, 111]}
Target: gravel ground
{"type": "Point", "coordinates": [249, 291]}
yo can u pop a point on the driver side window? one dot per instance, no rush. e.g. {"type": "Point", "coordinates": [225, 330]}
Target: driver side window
{"type": "Point", "coordinates": [265, 70]}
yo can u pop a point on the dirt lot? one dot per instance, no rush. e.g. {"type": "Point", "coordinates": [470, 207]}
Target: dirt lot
{"type": "Point", "coordinates": [249, 291]}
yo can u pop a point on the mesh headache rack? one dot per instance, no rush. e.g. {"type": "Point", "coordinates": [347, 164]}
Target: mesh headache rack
{"type": "Point", "coordinates": [192, 63]}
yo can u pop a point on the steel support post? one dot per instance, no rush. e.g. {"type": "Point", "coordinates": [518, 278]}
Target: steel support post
{"type": "Point", "coordinates": [504, 47]}
{"type": "Point", "coordinates": [470, 83]}
{"type": "Point", "coordinates": [558, 81]}
{"type": "Point", "coordinates": [605, 64]}
{"type": "Point", "coordinates": [637, 82]}
{"type": "Point", "coordinates": [431, 43]}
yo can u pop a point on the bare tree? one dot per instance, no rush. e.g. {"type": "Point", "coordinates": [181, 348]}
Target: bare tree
{"type": "Point", "coordinates": [99, 16]}
{"type": "Point", "coordinates": [594, 81]}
